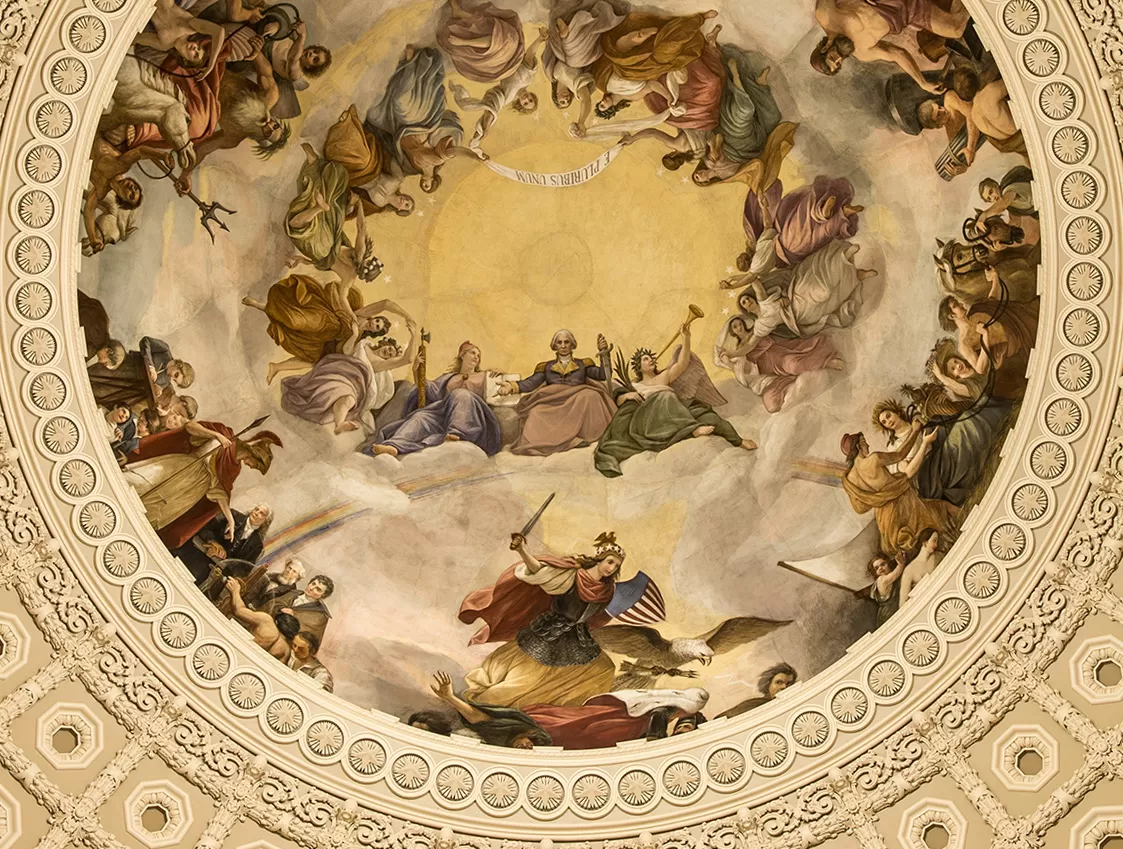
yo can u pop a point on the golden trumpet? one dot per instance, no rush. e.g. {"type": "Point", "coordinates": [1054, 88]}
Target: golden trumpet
{"type": "Point", "coordinates": [695, 312]}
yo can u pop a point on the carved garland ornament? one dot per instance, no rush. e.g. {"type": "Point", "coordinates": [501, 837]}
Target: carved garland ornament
{"type": "Point", "coordinates": [818, 763]}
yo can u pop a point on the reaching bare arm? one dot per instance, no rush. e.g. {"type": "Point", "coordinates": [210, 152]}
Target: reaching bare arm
{"type": "Point", "coordinates": [679, 366]}
{"type": "Point", "coordinates": [518, 543]}
{"type": "Point", "coordinates": [913, 466]}
{"type": "Point", "coordinates": [270, 93]}
{"type": "Point", "coordinates": [886, 52]}
{"type": "Point", "coordinates": [956, 387]}
{"type": "Point", "coordinates": [442, 686]}
{"type": "Point", "coordinates": [294, 71]}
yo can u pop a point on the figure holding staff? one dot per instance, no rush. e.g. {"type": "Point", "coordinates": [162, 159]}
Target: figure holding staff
{"type": "Point", "coordinates": [663, 406]}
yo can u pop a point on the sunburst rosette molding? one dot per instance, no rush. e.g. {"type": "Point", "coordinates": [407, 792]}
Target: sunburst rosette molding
{"type": "Point", "coordinates": [65, 73]}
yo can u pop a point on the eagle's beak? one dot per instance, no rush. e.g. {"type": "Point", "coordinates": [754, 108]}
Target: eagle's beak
{"type": "Point", "coordinates": [706, 661]}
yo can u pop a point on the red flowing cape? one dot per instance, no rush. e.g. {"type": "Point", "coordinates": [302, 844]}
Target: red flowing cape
{"type": "Point", "coordinates": [511, 604]}
{"type": "Point", "coordinates": [178, 441]}
{"type": "Point", "coordinates": [602, 722]}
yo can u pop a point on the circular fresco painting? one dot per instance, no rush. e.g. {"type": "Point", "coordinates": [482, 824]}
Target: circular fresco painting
{"type": "Point", "coordinates": [558, 375]}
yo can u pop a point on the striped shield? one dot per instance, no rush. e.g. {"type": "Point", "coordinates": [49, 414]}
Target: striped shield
{"type": "Point", "coordinates": [637, 602]}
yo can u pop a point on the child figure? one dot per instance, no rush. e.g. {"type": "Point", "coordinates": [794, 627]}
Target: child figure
{"type": "Point", "coordinates": [884, 590]}
{"type": "Point", "coordinates": [122, 430]}
{"type": "Point", "coordinates": [923, 563]}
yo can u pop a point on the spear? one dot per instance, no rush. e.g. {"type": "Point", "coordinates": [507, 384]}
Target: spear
{"type": "Point", "coordinates": [255, 423]}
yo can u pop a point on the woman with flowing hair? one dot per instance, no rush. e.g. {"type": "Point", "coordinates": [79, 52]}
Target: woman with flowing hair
{"type": "Point", "coordinates": [455, 411]}
{"type": "Point", "coordinates": [543, 609]}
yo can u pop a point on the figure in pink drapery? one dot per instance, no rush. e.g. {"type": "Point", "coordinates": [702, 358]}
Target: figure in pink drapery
{"type": "Point", "coordinates": [806, 219]}
{"type": "Point", "coordinates": [700, 93]}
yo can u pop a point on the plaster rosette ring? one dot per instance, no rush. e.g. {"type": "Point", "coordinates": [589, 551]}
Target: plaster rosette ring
{"type": "Point", "coordinates": [364, 759]}
{"type": "Point", "coordinates": [14, 645]}
{"type": "Point", "coordinates": [1022, 18]}
{"type": "Point", "coordinates": [52, 118]}
{"type": "Point", "coordinates": [590, 792]}
{"type": "Point", "coordinates": [454, 786]}
{"type": "Point", "coordinates": [1049, 461]}
{"type": "Point", "coordinates": [500, 792]}
{"type": "Point", "coordinates": [637, 789]}
{"type": "Point", "coordinates": [888, 680]}
{"type": "Point", "coordinates": [851, 707]}
{"type": "Point", "coordinates": [1097, 827]}
{"type": "Point", "coordinates": [176, 631]}
{"type": "Point", "coordinates": [812, 731]}
{"type": "Point", "coordinates": [69, 736]}
{"type": "Point", "coordinates": [1084, 327]}
{"type": "Point", "coordinates": [1010, 543]}
{"type": "Point", "coordinates": [770, 751]}
{"type": "Point", "coordinates": [1025, 758]}
{"type": "Point", "coordinates": [245, 692]}
{"type": "Point", "coordinates": [545, 796]}
{"type": "Point", "coordinates": [66, 74]}
{"type": "Point", "coordinates": [932, 823]}
{"type": "Point", "coordinates": [1032, 503]}
{"type": "Point", "coordinates": [1076, 372]}
{"type": "Point", "coordinates": [283, 718]}
{"type": "Point", "coordinates": [34, 208]}
{"type": "Point", "coordinates": [955, 618]}
{"type": "Point", "coordinates": [208, 664]}
{"type": "Point", "coordinates": [1097, 670]}
{"type": "Point", "coordinates": [157, 814]}
{"type": "Point", "coordinates": [1080, 189]}
{"type": "Point", "coordinates": [147, 597]}
{"type": "Point", "coordinates": [31, 300]}
{"type": "Point", "coordinates": [983, 582]}
{"type": "Point", "coordinates": [323, 741]}
{"type": "Point", "coordinates": [1071, 144]}
{"type": "Point", "coordinates": [118, 560]}
{"type": "Point", "coordinates": [922, 649]}
{"type": "Point", "coordinates": [410, 773]}
{"type": "Point", "coordinates": [683, 781]}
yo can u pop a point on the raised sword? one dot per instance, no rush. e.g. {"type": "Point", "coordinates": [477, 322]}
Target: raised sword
{"type": "Point", "coordinates": [520, 537]}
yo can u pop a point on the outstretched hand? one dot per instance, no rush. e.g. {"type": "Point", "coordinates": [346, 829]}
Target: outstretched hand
{"type": "Point", "coordinates": [442, 685]}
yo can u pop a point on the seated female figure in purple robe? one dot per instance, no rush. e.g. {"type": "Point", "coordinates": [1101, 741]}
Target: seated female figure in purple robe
{"type": "Point", "coordinates": [455, 410]}
{"type": "Point", "coordinates": [805, 220]}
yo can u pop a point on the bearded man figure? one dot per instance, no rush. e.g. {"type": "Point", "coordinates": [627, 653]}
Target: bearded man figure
{"type": "Point", "coordinates": [246, 110]}
{"type": "Point", "coordinates": [860, 29]}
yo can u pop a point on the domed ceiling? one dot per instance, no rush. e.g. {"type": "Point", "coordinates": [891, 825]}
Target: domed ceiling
{"type": "Point", "coordinates": [564, 421]}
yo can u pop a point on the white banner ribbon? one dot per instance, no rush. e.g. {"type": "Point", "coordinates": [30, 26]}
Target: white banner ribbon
{"type": "Point", "coordinates": [564, 180]}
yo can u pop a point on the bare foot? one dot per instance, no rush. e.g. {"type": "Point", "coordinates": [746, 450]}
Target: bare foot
{"type": "Point", "coordinates": [748, 445]}
{"type": "Point", "coordinates": [270, 374]}
{"type": "Point", "coordinates": [388, 450]}
{"type": "Point", "coordinates": [345, 427]}
{"type": "Point", "coordinates": [866, 273]}
{"type": "Point", "coordinates": [452, 437]}
{"type": "Point", "coordinates": [851, 251]}
{"type": "Point", "coordinates": [703, 430]}
{"type": "Point", "coordinates": [250, 302]}
{"type": "Point", "coordinates": [836, 364]}
{"type": "Point", "coordinates": [853, 210]}
{"type": "Point", "coordinates": [763, 78]}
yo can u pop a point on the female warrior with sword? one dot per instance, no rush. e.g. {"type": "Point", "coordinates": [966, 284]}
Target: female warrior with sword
{"type": "Point", "coordinates": [542, 609]}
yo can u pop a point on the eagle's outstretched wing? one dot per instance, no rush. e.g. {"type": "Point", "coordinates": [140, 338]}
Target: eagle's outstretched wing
{"type": "Point", "coordinates": [638, 643]}
{"type": "Point", "coordinates": [739, 631]}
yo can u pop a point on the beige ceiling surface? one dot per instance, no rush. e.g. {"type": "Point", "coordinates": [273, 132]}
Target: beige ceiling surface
{"type": "Point", "coordinates": [111, 737]}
